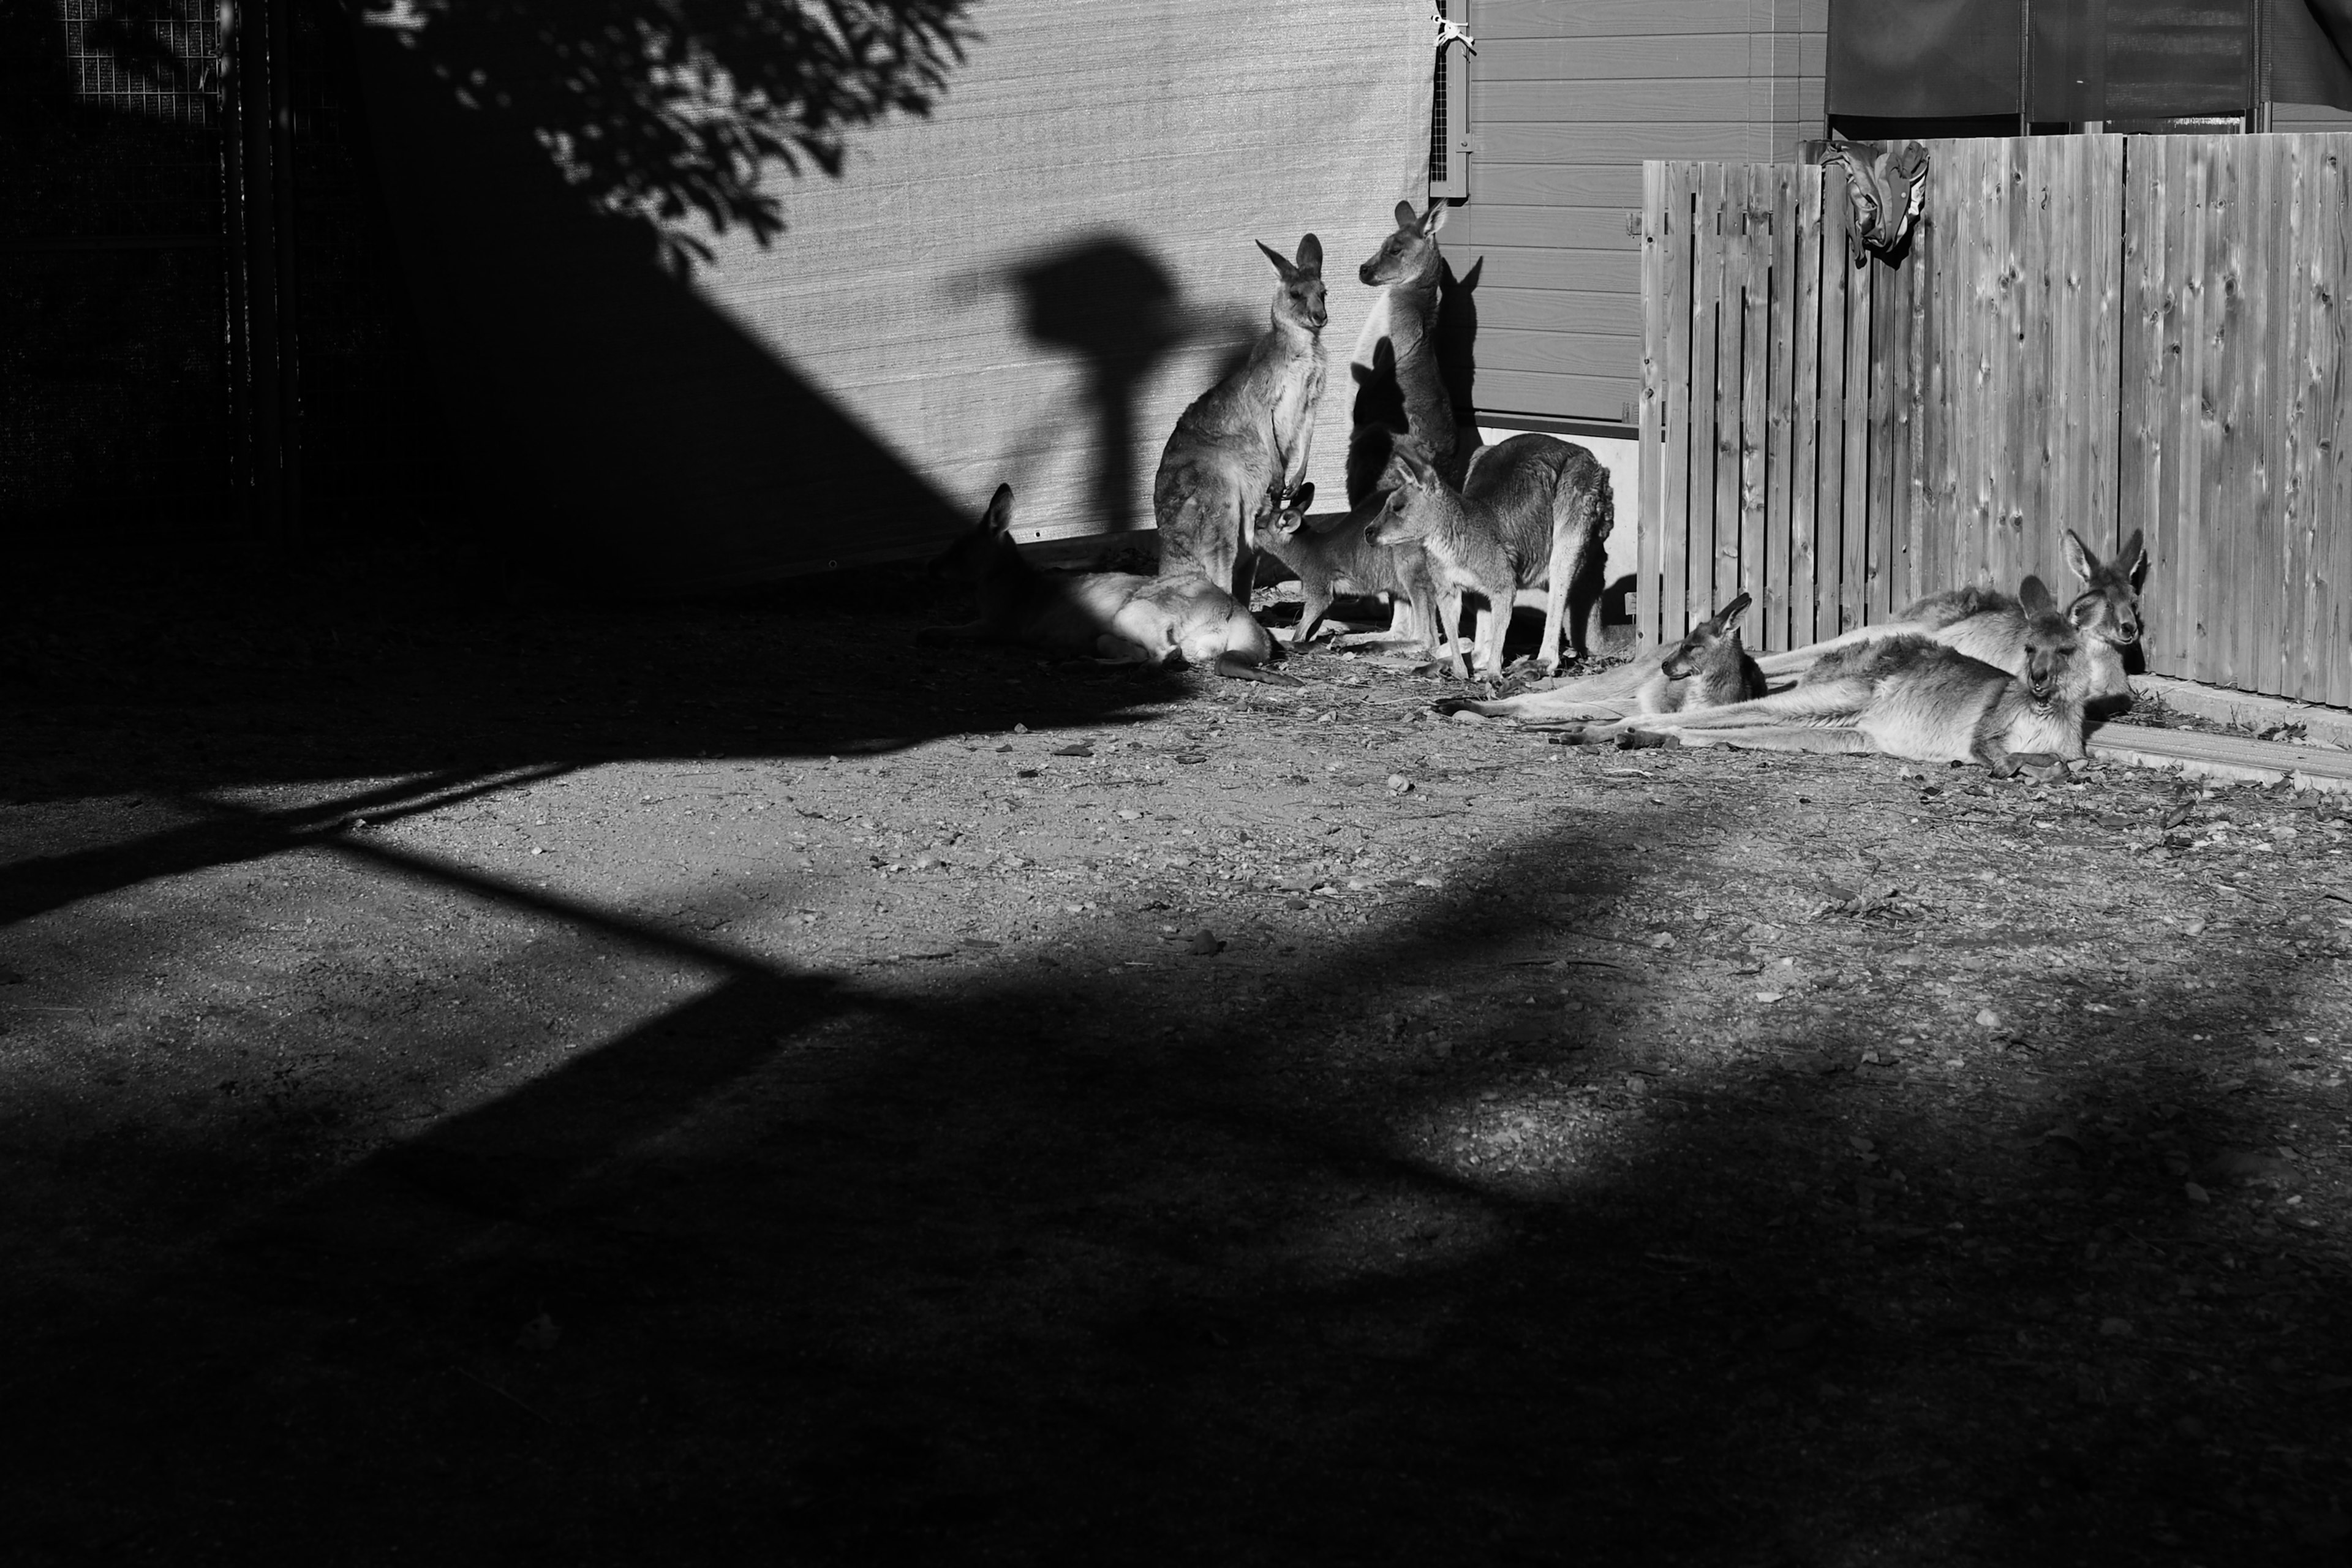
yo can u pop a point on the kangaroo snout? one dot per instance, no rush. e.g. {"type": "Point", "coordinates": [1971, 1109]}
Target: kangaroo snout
{"type": "Point", "coordinates": [1364, 276]}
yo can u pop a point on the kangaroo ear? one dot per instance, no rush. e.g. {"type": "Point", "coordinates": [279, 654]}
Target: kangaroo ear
{"type": "Point", "coordinates": [2079, 560]}
{"type": "Point", "coordinates": [1310, 255]}
{"type": "Point", "coordinates": [999, 516]}
{"type": "Point", "coordinates": [1406, 217]}
{"type": "Point", "coordinates": [2034, 595]}
{"type": "Point", "coordinates": [1434, 218]}
{"type": "Point", "coordinates": [1281, 262]}
{"type": "Point", "coordinates": [1729, 616]}
{"type": "Point", "coordinates": [2132, 559]}
{"type": "Point", "coordinates": [1302, 498]}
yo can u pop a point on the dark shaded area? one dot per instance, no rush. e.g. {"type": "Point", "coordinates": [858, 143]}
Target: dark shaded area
{"type": "Point", "coordinates": [851, 1268]}
{"type": "Point", "coordinates": [657, 112]}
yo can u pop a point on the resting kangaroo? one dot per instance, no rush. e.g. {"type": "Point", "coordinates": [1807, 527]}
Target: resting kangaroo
{"type": "Point", "coordinates": [1245, 438]}
{"type": "Point", "coordinates": [1910, 696]}
{"type": "Point", "coordinates": [1533, 513]}
{"type": "Point", "coordinates": [1991, 626]}
{"type": "Point", "coordinates": [1985, 623]}
{"type": "Point", "coordinates": [1708, 668]}
{"type": "Point", "coordinates": [1120, 616]}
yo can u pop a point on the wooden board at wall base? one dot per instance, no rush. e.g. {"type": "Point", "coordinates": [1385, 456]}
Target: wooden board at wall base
{"type": "Point", "coordinates": [2232, 757]}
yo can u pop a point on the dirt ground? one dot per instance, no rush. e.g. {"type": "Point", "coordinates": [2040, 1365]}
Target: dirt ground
{"type": "Point", "coordinates": [718, 1084]}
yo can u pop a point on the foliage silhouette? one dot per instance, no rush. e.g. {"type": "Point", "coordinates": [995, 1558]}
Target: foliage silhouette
{"type": "Point", "coordinates": [662, 111]}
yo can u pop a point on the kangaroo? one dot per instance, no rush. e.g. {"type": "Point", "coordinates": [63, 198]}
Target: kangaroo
{"type": "Point", "coordinates": [1910, 696]}
{"type": "Point", "coordinates": [1343, 559]}
{"type": "Point", "coordinates": [1463, 540]}
{"type": "Point", "coordinates": [1546, 503]}
{"type": "Point", "coordinates": [1404, 403]}
{"type": "Point", "coordinates": [1122, 617]}
{"type": "Point", "coordinates": [1991, 625]}
{"type": "Point", "coordinates": [1246, 437]}
{"type": "Point", "coordinates": [1708, 668]}
{"type": "Point", "coordinates": [1410, 267]}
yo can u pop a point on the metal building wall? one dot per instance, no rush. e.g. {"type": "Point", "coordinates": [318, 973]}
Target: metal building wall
{"type": "Point", "coordinates": [1028, 286]}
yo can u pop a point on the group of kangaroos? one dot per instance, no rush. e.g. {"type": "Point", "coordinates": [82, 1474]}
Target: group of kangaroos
{"type": "Point", "coordinates": [1433, 522]}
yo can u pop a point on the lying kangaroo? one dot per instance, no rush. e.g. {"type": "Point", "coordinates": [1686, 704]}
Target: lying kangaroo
{"type": "Point", "coordinates": [1983, 621]}
{"type": "Point", "coordinates": [1910, 696]}
{"type": "Point", "coordinates": [1342, 561]}
{"type": "Point", "coordinates": [1991, 626]}
{"type": "Point", "coordinates": [1246, 437]}
{"type": "Point", "coordinates": [1122, 617]}
{"type": "Point", "coordinates": [1708, 668]}
{"type": "Point", "coordinates": [1532, 513]}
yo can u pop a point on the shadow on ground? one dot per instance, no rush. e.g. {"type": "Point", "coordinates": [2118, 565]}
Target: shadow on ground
{"type": "Point", "coordinates": [1003, 1262]}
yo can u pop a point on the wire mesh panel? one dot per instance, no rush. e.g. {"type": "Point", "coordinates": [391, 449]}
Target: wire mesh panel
{"type": "Point", "coordinates": [110, 325]}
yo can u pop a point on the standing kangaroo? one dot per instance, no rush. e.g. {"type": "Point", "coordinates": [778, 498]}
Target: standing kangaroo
{"type": "Point", "coordinates": [1411, 268]}
{"type": "Point", "coordinates": [1246, 438]}
{"type": "Point", "coordinates": [1535, 510]}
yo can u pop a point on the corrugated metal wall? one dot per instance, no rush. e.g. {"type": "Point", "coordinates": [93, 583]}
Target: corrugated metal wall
{"type": "Point", "coordinates": [1028, 286]}
{"type": "Point", "coordinates": [1566, 98]}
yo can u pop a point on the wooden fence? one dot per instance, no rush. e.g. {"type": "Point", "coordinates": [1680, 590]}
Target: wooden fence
{"type": "Point", "coordinates": [2100, 333]}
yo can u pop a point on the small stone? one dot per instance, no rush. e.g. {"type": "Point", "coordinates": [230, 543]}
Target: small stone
{"type": "Point", "coordinates": [1020, 729]}
{"type": "Point", "coordinates": [1205, 943]}
{"type": "Point", "coordinates": [1465, 717]}
{"type": "Point", "coordinates": [1664, 940]}
{"type": "Point", "coordinates": [1399, 783]}
{"type": "Point", "coordinates": [2115, 1328]}
{"type": "Point", "coordinates": [2195, 1194]}
{"type": "Point", "coordinates": [1988, 1019]}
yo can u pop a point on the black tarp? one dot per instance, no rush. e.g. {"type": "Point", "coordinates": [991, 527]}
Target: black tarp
{"type": "Point", "coordinates": [2092, 60]}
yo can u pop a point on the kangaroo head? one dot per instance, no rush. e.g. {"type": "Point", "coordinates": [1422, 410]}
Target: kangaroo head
{"type": "Point", "coordinates": [1283, 519]}
{"type": "Point", "coordinates": [1719, 630]}
{"type": "Point", "coordinates": [2053, 647]}
{"type": "Point", "coordinates": [1406, 515]}
{"type": "Point", "coordinates": [2108, 605]}
{"type": "Point", "coordinates": [1411, 254]}
{"type": "Point", "coordinates": [984, 544]}
{"type": "Point", "coordinates": [1300, 300]}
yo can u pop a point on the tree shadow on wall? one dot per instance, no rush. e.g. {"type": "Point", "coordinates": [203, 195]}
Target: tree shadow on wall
{"type": "Point", "coordinates": [620, 433]}
{"type": "Point", "coordinates": [659, 112]}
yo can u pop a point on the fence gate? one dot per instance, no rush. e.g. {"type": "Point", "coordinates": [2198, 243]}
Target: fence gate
{"type": "Point", "coordinates": [2096, 332]}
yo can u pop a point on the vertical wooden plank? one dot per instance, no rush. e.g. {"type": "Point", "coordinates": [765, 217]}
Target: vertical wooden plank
{"type": "Point", "coordinates": [1915, 454]}
{"type": "Point", "coordinates": [2189, 162]}
{"type": "Point", "coordinates": [1684, 599]}
{"type": "Point", "coordinates": [1720, 580]}
{"type": "Point", "coordinates": [1943, 231]}
{"type": "Point", "coordinates": [1976, 309]}
{"type": "Point", "coordinates": [1829, 487]}
{"type": "Point", "coordinates": [1656, 384]}
{"type": "Point", "coordinates": [1806, 405]}
{"type": "Point", "coordinates": [1680, 313]}
{"type": "Point", "coordinates": [1772, 618]}
{"type": "Point", "coordinates": [1854, 502]}
{"type": "Point", "coordinates": [1879, 566]}
{"type": "Point", "coordinates": [2185, 262]}
{"type": "Point", "coordinates": [2147, 363]}
{"type": "Point", "coordinates": [1761, 218]}
{"type": "Point", "coordinates": [2222, 498]}
{"type": "Point", "coordinates": [2254, 552]}
{"type": "Point", "coordinates": [2103, 292]}
{"type": "Point", "coordinates": [2232, 515]}
{"type": "Point", "coordinates": [2332, 584]}
{"type": "Point", "coordinates": [2038, 239]}
{"type": "Point", "coordinates": [2293, 399]}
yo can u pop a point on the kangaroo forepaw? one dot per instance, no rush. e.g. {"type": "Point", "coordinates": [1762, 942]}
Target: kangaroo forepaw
{"type": "Point", "coordinates": [1645, 741]}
